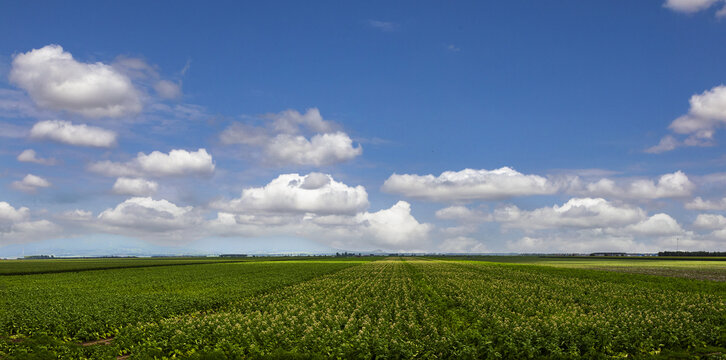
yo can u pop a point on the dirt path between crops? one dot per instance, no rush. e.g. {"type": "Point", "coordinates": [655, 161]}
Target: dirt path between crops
{"type": "Point", "coordinates": [106, 341]}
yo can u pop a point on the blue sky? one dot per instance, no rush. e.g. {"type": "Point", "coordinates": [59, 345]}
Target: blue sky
{"type": "Point", "coordinates": [178, 127]}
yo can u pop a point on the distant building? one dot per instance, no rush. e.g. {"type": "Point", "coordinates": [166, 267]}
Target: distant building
{"type": "Point", "coordinates": [608, 254]}
{"type": "Point", "coordinates": [232, 255]}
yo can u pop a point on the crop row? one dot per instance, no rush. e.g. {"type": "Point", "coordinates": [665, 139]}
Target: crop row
{"type": "Point", "coordinates": [436, 309]}
{"type": "Point", "coordinates": [95, 304]}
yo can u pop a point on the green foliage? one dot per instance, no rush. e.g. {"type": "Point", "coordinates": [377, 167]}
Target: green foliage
{"type": "Point", "coordinates": [95, 304]}
{"type": "Point", "coordinates": [390, 309]}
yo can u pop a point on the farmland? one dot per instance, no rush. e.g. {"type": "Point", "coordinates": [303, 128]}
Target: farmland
{"type": "Point", "coordinates": [365, 308]}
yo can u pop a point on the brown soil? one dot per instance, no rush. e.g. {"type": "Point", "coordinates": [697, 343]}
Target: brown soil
{"type": "Point", "coordinates": [98, 342]}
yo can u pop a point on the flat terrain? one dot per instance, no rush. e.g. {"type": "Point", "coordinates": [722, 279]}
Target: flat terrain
{"type": "Point", "coordinates": [476, 307]}
{"type": "Point", "coordinates": [692, 268]}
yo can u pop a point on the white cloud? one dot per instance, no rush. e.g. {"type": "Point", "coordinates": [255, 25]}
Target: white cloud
{"type": "Point", "coordinates": [68, 133]}
{"type": "Point", "coordinates": [582, 241]}
{"type": "Point", "coordinates": [292, 121]}
{"type": "Point", "coordinates": [55, 80]}
{"type": "Point", "coordinates": [176, 163]}
{"type": "Point", "coordinates": [689, 6]}
{"type": "Point", "coordinates": [167, 89]}
{"type": "Point", "coordinates": [394, 227]}
{"type": "Point", "coordinates": [29, 155]}
{"type": "Point", "coordinates": [656, 225]}
{"type": "Point", "coordinates": [317, 207]}
{"type": "Point", "coordinates": [77, 215]}
{"type": "Point", "coordinates": [10, 214]}
{"type": "Point", "coordinates": [462, 214]}
{"type": "Point", "coordinates": [672, 185]}
{"type": "Point", "coordinates": [575, 213]}
{"type": "Point", "coordinates": [469, 184]}
{"type": "Point", "coordinates": [667, 143]}
{"type": "Point", "coordinates": [16, 226]}
{"type": "Point", "coordinates": [707, 112]}
{"type": "Point", "coordinates": [583, 225]}
{"type": "Point", "coordinates": [147, 76]}
{"type": "Point", "coordinates": [462, 244]}
{"type": "Point", "coordinates": [31, 183]}
{"type": "Point", "coordinates": [144, 214]}
{"type": "Point", "coordinates": [28, 231]}
{"type": "Point", "coordinates": [134, 186]}
{"type": "Point", "coordinates": [710, 221]}
{"type": "Point", "coordinates": [292, 138]}
{"type": "Point", "coordinates": [699, 204]}
{"type": "Point", "coordinates": [320, 150]}
{"type": "Point", "coordinates": [313, 193]}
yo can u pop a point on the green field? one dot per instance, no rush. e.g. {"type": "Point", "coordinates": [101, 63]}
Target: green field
{"type": "Point", "coordinates": [479, 307]}
{"type": "Point", "coordinates": [712, 268]}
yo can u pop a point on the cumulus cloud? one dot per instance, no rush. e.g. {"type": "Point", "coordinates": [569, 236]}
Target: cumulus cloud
{"type": "Point", "coordinates": [31, 183]}
{"type": "Point", "coordinates": [584, 225]}
{"type": "Point", "coordinates": [394, 227]}
{"type": "Point", "coordinates": [710, 221]}
{"type": "Point", "coordinates": [672, 185]}
{"type": "Point", "coordinates": [318, 207]}
{"type": "Point", "coordinates": [313, 193]}
{"type": "Point", "coordinates": [144, 214]}
{"type": "Point", "coordinates": [693, 6]}
{"type": "Point", "coordinates": [292, 138]}
{"type": "Point", "coordinates": [134, 186]}
{"type": "Point", "coordinates": [177, 162]}
{"type": "Point", "coordinates": [29, 155]}
{"type": "Point", "coordinates": [469, 184]}
{"type": "Point", "coordinates": [55, 80]}
{"type": "Point", "coordinates": [67, 133]}
{"type": "Point", "coordinates": [657, 225]}
{"type": "Point", "coordinates": [699, 204]}
{"type": "Point", "coordinates": [575, 213]}
{"type": "Point", "coordinates": [16, 225]}
{"type": "Point", "coordinates": [321, 149]}
{"type": "Point", "coordinates": [706, 114]}
{"type": "Point", "coordinates": [10, 214]}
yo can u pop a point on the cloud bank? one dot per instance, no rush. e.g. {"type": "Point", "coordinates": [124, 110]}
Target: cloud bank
{"type": "Point", "coordinates": [469, 185]}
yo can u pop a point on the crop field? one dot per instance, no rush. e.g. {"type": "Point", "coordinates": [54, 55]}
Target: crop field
{"type": "Point", "coordinates": [364, 308]}
{"type": "Point", "coordinates": [692, 268]}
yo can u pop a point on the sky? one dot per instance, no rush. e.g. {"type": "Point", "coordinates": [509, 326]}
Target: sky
{"type": "Point", "coordinates": [174, 127]}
